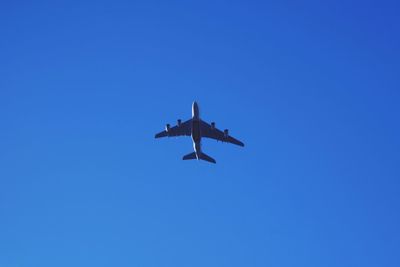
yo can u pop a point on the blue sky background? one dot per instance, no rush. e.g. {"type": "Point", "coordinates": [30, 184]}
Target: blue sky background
{"type": "Point", "coordinates": [311, 87]}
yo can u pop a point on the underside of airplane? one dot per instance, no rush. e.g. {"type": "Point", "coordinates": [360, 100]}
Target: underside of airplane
{"type": "Point", "coordinates": [197, 128]}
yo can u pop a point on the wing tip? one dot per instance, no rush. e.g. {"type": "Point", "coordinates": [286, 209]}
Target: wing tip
{"type": "Point", "coordinates": [159, 135]}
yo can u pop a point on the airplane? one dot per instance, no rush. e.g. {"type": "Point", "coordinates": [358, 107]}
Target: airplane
{"type": "Point", "coordinates": [197, 128]}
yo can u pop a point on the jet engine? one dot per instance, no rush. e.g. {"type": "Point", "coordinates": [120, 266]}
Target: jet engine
{"type": "Point", "coordinates": [213, 126]}
{"type": "Point", "coordinates": [226, 133]}
{"type": "Point", "coordinates": [167, 127]}
{"type": "Point", "coordinates": [179, 122]}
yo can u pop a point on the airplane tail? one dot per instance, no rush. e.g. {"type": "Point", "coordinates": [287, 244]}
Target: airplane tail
{"type": "Point", "coordinates": [201, 155]}
{"type": "Point", "coordinates": [206, 158]}
{"type": "Point", "coordinates": [190, 156]}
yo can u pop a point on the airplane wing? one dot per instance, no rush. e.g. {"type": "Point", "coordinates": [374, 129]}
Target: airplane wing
{"type": "Point", "coordinates": [184, 129]}
{"type": "Point", "coordinates": [214, 133]}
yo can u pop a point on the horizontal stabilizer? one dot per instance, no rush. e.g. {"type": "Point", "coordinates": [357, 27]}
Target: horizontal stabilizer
{"type": "Point", "coordinates": [200, 155]}
{"type": "Point", "coordinates": [207, 158]}
{"type": "Point", "coordinates": [190, 156]}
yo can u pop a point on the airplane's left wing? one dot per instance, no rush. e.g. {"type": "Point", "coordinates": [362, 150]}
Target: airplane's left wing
{"type": "Point", "coordinates": [184, 129]}
{"type": "Point", "coordinates": [211, 132]}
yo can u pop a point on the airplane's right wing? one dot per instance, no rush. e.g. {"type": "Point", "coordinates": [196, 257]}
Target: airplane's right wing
{"type": "Point", "coordinates": [214, 133]}
{"type": "Point", "coordinates": [184, 129]}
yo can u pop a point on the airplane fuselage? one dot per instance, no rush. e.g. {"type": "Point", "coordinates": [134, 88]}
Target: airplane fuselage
{"type": "Point", "coordinates": [196, 133]}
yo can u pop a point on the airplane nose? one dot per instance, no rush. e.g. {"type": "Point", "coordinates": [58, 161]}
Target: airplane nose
{"type": "Point", "coordinates": [195, 110]}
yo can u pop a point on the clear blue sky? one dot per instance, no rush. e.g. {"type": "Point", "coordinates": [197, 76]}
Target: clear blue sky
{"type": "Point", "coordinates": [311, 87]}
